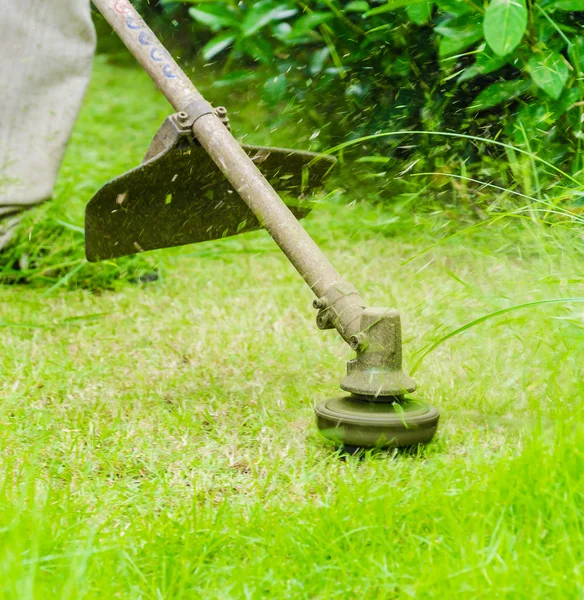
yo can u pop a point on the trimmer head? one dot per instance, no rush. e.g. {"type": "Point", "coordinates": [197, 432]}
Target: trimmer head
{"type": "Point", "coordinates": [356, 421]}
{"type": "Point", "coordinates": [377, 413]}
{"type": "Point", "coordinates": [179, 196]}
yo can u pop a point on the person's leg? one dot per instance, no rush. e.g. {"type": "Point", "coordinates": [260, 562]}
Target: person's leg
{"type": "Point", "coordinates": [46, 51]}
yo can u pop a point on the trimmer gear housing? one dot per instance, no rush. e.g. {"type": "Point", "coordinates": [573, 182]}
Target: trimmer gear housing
{"type": "Point", "coordinates": [377, 370]}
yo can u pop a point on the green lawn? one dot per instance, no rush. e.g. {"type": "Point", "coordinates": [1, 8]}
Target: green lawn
{"type": "Point", "coordinates": [158, 440]}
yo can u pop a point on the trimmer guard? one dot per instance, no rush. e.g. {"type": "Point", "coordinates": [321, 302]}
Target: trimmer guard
{"type": "Point", "coordinates": [179, 196]}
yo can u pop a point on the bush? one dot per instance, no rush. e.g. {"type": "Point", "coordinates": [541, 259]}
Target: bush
{"type": "Point", "coordinates": [507, 70]}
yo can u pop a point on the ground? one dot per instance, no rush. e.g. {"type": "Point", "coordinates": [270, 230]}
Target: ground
{"type": "Point", "coordinates": [159, 442]}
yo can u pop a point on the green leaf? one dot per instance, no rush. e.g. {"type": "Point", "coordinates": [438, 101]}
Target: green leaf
{"type": "Point", "coordinates": [505, 23]}
{"type": "Point", "coordinates": [420, 13]}
{"type": "Point", "coordinates": [275, 89]}
{"type": "Point", "coordinates": [311, 21]}
{"type": "Point", "coordinates": [218, 44]}
{"type": "Point", "coordinates": [259, 48]}
{"type": "Point", "coordinates": [214, 16]}
{"type": "Point", "coordinates": [458, 34]}
{"type": "Point", "coordinates": [486, 62]}
{"type": "Point", "coordinates": [391, 6]}
{"type": "Point", "coordinates": [358, 6]}
{"type": "Point", "coordinates": [566, 101]}
{"type": "Point", "coordinates": [285, 33]}
{"type": "Point", "coordinates": [318, 60]}
{"type": "Point", "coordinates": [576, 5]}
{"type": "Point", "coordinates": [499, 92]}
{"type": "Point", "coordinates": [236, 77]}
{"type": "Point", "coordinates": [549, 72]}
{"type": "Point", "coordinates": [264, 13]}
{"type": "Point", "coordinates": [576, 53]}
{"type": "Point", "coordinates": [455, 7]}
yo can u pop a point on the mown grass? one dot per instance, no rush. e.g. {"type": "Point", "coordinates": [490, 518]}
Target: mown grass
{"type": "Point", "coordinates": [158, 440]}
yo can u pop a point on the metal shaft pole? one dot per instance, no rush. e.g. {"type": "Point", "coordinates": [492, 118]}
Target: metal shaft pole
{"type": "Point", "coordinates": [237, 167]}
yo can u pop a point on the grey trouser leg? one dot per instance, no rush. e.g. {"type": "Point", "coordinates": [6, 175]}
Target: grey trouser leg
{"type": "Point", "coordinates": [46, 51]}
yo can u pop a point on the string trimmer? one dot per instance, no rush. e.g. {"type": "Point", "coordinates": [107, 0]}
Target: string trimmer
{"type": "Point", "coordinates": [197, 183]}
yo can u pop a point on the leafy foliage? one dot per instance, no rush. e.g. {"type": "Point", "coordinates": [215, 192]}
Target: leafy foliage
{"type": "Point", "coordinates": [503, 67]}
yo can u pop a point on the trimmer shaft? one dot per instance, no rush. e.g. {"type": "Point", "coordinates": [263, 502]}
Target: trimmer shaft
{"type": "Point", "coordinates": [186, 191]}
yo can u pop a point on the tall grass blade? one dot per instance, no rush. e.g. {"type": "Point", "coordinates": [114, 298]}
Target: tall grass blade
{"type": "Point", "coordinates": [492, 315]}
{"type": "Point", "coordinates": [475, 138]}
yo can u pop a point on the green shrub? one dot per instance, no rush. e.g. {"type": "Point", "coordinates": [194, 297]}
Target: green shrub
{"type": "Point", "coordinates": [505, 69]}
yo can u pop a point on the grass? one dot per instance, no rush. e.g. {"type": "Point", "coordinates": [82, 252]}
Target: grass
{"type": "Point", "coordinates": [158, 440]}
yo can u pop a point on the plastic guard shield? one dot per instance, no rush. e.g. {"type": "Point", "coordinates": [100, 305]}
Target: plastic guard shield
{"type": "Point", "coordinates": [181, 197]}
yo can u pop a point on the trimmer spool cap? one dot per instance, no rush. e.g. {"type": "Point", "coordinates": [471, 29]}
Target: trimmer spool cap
{"type": "Point", "coordinates": [393, 423]}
